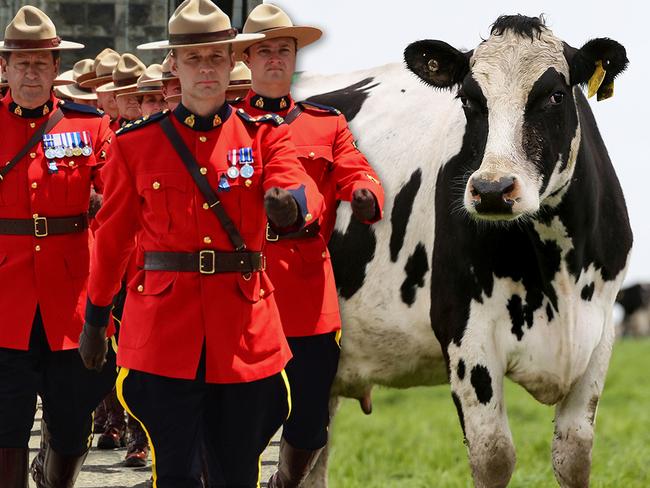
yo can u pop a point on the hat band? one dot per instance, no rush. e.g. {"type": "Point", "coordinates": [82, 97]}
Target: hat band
{"type": "Point", "coordinates": [240, 82]}
{"type": "Point", "coordinates": [150, 88]}
{"type": "Point", "coordinates": [32, 43]}
{"type": "Point", "coordinates": [224, 35]}
{"type": "Point", "coordinates": [125, 82]}
{"type": "Point", "coordinates": [89, 91]}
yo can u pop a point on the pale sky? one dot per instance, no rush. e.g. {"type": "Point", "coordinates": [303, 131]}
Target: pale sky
{"type": "Point", "coordinates": [364, 33]}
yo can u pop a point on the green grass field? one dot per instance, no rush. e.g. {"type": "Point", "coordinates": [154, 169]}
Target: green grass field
{"type": "Point", "coordinates": [413, 438]}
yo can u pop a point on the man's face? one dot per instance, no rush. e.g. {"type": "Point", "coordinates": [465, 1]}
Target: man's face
{"type": "Point", "coordinates": [106, 101]}
{"type": "Point", "coordinates": [171, 88]}
{"type": "Point", "coordinates": [272, 61]}
{"type": "Point", "coordinates": [203, 71]}
{"type": "Point", "coordinates": [152, 104]}
{"type": "Point", "coordinates": [30, 76]}
{"type": "Point", "coordinates": [128, 106]}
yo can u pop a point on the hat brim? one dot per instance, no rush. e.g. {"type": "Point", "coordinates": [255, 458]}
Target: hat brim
{"type": "Point", "coordinates": [141, 93]}
{"type": "Point", "coordinates": [64, 46]}
{"type": "Point", "coordinates": [243, 86]}
{"type": "Point", "coordinates": [174, 98]}
{"type": "Point", "coordinates": [95, 82]}
{"type": "Point", "coordinates": [241, 38]}
{"type": "Point", "coordinates": [73, 91]}
{"type": "Point", "coordinates": [304, 35]}
{"type": "Point", "coordinates": [118, 90]}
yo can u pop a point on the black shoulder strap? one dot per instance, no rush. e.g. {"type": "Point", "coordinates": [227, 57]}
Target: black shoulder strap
{"type": "Point", "coordinates": [36, 137]}
{"type": "Point", "coordinates": [293, 115]}
{"type": "Point", "coordinates": [204, 186]}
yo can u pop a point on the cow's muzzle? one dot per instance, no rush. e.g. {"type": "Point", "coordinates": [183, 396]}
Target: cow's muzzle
{"type": "Point", "coordinates": [493, 197]}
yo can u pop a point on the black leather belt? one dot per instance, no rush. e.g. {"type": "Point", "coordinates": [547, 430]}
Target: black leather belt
{"type": "Point", "coordinates": [44, 226]}
{"type": "Point", "coordinates": [310, 230]}
{"type": "Point", "coordinates": [204, 262]}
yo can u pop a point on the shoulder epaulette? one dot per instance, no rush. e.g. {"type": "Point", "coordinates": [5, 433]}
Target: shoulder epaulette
{"type": "Point", "coordinates": [79, 107]}
{"type": "Point", "coordinates": [141, 122]}
{"type": "Point", "coordinates": [306, 104]}
{"type": "Point", "coordinates": [273, 118]}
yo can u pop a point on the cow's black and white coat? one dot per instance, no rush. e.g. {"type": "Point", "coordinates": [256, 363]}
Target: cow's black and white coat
{"type": "Point", "coordinates": [506, 232]}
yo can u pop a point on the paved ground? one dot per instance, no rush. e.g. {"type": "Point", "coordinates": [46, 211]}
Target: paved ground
{"type": "Point", "coordinates": [103, 469]}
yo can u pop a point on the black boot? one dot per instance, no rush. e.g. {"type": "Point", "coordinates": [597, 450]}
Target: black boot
{"type": "Point", "coordinates": [114, 435]}
{"type": "Point", "coordinates": [37, 464]}
{"type": "Point", "coordinates": [294, 466]}
{"type": "Point", "coordinates": [61, 471]}
{"type": "Point", "coordinates": [13, 467]}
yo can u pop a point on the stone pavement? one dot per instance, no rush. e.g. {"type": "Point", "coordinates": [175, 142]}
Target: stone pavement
{"type": "Point", "coordinates": [103, 469]}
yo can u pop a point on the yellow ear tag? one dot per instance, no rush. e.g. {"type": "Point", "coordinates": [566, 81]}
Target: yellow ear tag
{"type": "Point", "coordinates": [596, 79]}
{"type": "Point", "coordinates": [606, 92]}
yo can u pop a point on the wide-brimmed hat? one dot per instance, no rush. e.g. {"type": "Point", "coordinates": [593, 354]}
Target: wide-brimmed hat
{"type": "Point", "coordinates": [165, 71]}
{"type": "Point", "coordinates": [199, 23]}
{"type": "Point", "coordinates": [81, 70]}
{"type": "Point", "coordinates": [103, 66]}
{"type": "Point", "coordinates": [32, 30]}
{"type": "Point", "coordinates": [125, 75]}
{"type": "Point", "coordinates": [147, 84]}
{"type": "Point", "coordinates": [273, 22]}
{"type": "Point", "coordinates": [240, 77]}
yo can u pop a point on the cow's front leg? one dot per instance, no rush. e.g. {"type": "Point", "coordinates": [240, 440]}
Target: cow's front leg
{"type": "Point", "coordinates": [476, 378]}
{"type": "Point", "coordinates": [575, 416]}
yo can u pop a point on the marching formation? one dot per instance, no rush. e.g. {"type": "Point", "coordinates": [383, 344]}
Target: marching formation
{"type": "Point", "coordinates": [163, 251]}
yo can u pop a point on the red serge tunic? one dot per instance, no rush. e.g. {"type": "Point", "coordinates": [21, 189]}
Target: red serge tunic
{"type": "Point", "coordinates": [47, 272]}
{"type": "Point", "coordinates": [169, 316]}
{"type": "Point", "coordinates": [300, 268]}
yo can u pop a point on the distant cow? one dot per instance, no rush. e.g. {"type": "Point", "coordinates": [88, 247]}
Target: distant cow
{"type": "Point", "coordinates": [635, 301]}
{"type": "Point", "coordinates": [507, 234]}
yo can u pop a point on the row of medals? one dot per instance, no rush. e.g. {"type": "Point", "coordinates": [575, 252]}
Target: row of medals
{"type": "Point", "coordinates": [246, 171]}
{"type": "Point", "coordinates": [67, 152]}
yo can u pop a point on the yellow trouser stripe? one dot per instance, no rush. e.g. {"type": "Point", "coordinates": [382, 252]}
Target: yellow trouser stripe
{"type": "Point", "coordinates": [337, 338]}
{"type": "Point", "coordinates": [286, 384]}
{"type": "Point", "coordinates": [119, 385]}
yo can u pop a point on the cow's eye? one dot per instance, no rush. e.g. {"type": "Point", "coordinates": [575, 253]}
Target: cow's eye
{"type": "Point", "coordinates": [557, 98]}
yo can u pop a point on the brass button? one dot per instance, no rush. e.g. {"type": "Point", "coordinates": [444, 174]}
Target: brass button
{"type": "Point", "coordinates": [312, 155]}
{"type": "Point", "coordinates": [32, 155]}
{"type": "Point", "coordinates": [207, 240]}
{"type": "Point", "coordinates": [155, 185]}
{"type": "Point", "coordinates": [324, 254]}
{"type": "Point", "coordinates": [71, 164]}
{"type": "Point", "coordinates": [32, 124]}
{"type": "Point", "coordinates": [34, 185]}
{"type": "Point", "coordinates": [206, 206]}
{"type": "Point", "coordinates": [37, 248]}
{"type": "Point", "coordinates": [248, 182]}
{"type": "Point", "coordinates": [262, 292]}
{"type": "Point", "coordinates": [35, 216]}
{"type": "Point", "coordinates": [204, 170]}
{"type": "Point", "coordinates": [308, 217]}
{"type": "Point", "coordinates": [140, 288]}
{"type": "Point", "coordinates": [203, 138]}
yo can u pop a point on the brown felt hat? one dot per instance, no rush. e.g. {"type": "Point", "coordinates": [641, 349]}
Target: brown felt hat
{"type": "Point", "coordinates": [103, 66]}
{"type": "Point", "coordinates": [81, 70]}
{"type": "Point", "coordinates": [32, 30]}
{"type": "Point", "coordinates": [125, 75]}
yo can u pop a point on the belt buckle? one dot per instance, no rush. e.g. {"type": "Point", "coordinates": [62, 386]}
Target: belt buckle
{"type": "Point", "coordinates": [268, 236]}
{"type": "Point", "coordinates": [203, 267]}
{"type": "Point", "coordinates": [37, 222]}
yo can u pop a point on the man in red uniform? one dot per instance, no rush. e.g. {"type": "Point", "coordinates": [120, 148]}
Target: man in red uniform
{"type": "Point", "coordinates": [201, 346]}
{"type": "Point", "coordinates": [53, 152]}
{"type": "Point", "coordinates": [299, 263]}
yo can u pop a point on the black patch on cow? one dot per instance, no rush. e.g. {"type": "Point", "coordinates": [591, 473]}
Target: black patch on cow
{"type": "Point", "coordinates": [460, 370]}
{"type": "Point", "coordinates": [549, 312]}
{"type": "Point", "coordinates": [459, 409]}
{"type": "Point", "coordinates": [550, 123]}
{"type": "Point", "coordinates": [348, 100]}
{"type": "Point", "coordinates": [482, 383]}
{"type": "Point", "coordinates": [519, 24]}
{"type": "Point", "coordinates": [516, 311]}
{"type": "Point", "coordinates": [401, 213]}
{"type": "Point", "coordinates": [416, 267]}
{"type": "Point", "coordinates": [351, 252]}
{"type": "Point", "coordinates": [588, 291]}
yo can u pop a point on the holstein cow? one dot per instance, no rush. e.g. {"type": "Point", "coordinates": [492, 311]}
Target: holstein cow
{"type": "Point", "coordinates": [635, 301]}
{"type": "Point", "coordinates": [507, 235]}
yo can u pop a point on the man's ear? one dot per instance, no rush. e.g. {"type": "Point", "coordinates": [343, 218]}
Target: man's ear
{"type": "Point", "coordinates": [172, 65]}
{"type": "Point", "coordinates": [437, 63]}
{"type": "Point", "coordinates": [596, 64]}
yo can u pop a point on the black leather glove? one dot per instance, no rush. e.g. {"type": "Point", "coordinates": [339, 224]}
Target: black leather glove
{"type": "Point", "coordinates": [93, 346]}
{"type": "Point", "coordinates": [363, 205]}
{"type": "Point", "coordinates": [281, 208]}
{"type": "Point", "coordinates": [95, 204]}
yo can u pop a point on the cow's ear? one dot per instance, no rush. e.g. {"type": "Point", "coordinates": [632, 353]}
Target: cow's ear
{"type": "Point", "coordinates": [596, 64]}
{"type": "Point", "coordinates": [437, 63]}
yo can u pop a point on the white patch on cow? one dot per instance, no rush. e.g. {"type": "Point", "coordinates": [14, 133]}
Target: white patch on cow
{"type": "Point", "coordinates": [561, 179]}
{"type": "Point", "coordinates": [496, 67]}
{"type": "Point", "coordinates": [384, 340]}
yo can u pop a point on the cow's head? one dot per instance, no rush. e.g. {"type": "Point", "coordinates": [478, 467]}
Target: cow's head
{"type": "Point", "coordinates": [517, 91]}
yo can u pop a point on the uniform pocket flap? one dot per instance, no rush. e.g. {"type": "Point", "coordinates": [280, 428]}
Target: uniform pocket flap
{"type": "Point", "coordinates": [152, 282]}
{"type": "Point", "coordinates": [256, 286]}
{"type": "Point", "coordinates": [157, 182]}
{"type": "Point", "coordinates": [315, 152]}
